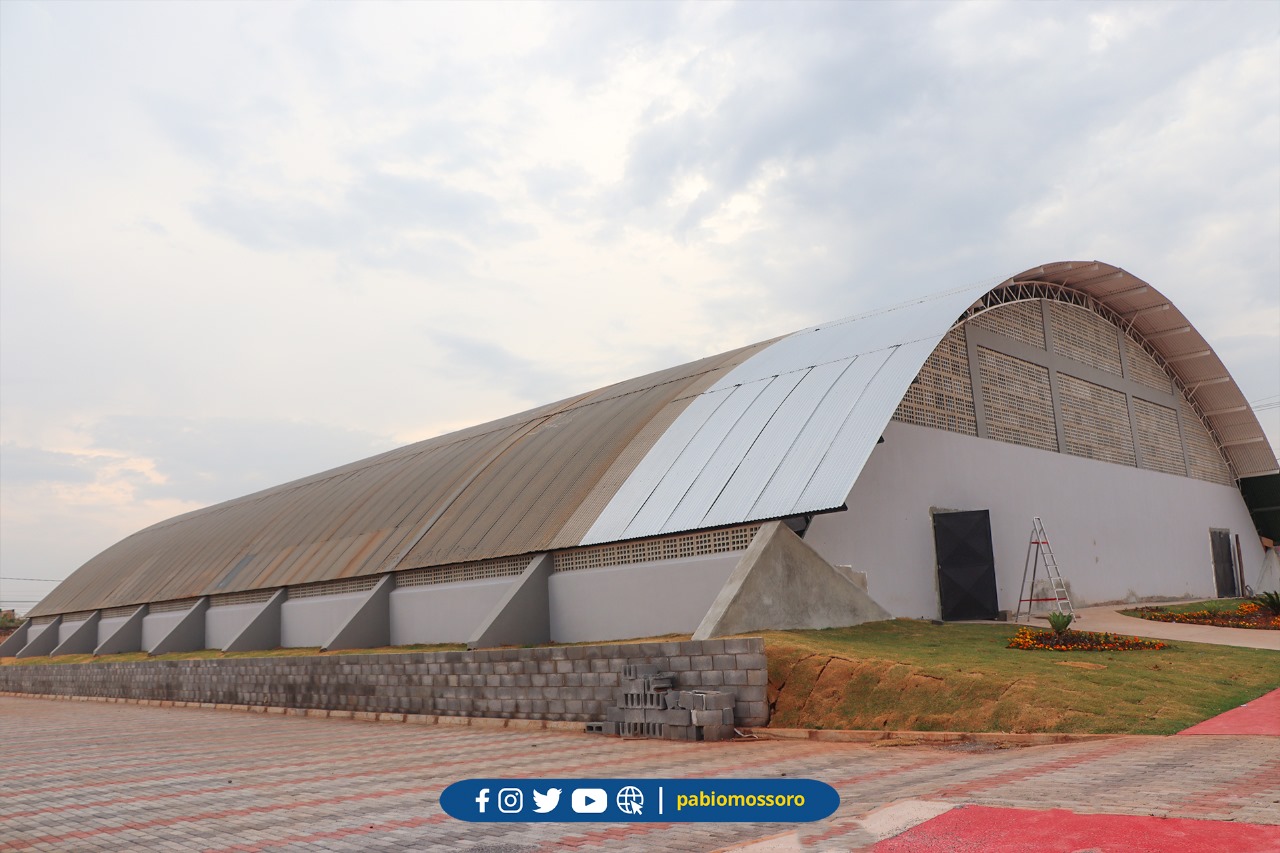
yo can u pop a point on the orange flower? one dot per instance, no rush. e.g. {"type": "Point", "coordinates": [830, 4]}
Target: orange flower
{"type": "Point", "coordinates": [1071, 641]}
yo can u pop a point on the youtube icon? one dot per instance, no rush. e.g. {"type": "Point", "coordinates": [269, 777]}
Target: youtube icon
{"type": "Point", "coordinates": [589, 800]}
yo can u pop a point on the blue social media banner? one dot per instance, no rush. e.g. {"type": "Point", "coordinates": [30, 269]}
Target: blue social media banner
{"type": "Point", "coordinates": [639, 800]}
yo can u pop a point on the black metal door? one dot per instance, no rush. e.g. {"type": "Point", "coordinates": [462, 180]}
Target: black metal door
{"type": "Point", "coordinates": [966, 566]}
{"type": "Point", "coordinates": [1224, 564]}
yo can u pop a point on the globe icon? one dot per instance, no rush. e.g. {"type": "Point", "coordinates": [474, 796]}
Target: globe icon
{"type": "Point", "coordinates": [630, 800]}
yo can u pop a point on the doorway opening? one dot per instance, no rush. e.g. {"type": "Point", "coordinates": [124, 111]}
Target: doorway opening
{"type": "Point", "coordinates": [1224, 563]}
{"type": "Point", "coordinates": [966, 565]}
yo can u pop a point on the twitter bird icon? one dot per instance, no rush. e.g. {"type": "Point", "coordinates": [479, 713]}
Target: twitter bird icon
{"type": "Point", "coordinates": [544, 803]}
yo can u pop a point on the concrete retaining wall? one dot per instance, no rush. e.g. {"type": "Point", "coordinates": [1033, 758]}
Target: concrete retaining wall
{"type": "Point", "coordinates": [573, 683]}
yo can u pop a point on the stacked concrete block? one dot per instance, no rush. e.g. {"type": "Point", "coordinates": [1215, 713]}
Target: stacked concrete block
{"type": "Point", "coordinates": [710, 715]}
{"type": "Point", "coordinates": [650, 705]}
{"type": "Point", "coordinates": [564, 683]}
{"type": "Point", "coordinates": [640, 702]}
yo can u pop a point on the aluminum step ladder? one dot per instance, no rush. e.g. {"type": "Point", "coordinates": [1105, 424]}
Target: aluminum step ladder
{"type": "Point", "coordinates": [1040, 552]}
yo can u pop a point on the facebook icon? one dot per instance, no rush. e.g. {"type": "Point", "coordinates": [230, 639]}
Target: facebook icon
{"type": "Point", "coordinates": [482, 798]}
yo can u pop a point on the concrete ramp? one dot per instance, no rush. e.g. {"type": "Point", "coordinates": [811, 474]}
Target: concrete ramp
{"type": "Point", "coordinates": [781, 583]}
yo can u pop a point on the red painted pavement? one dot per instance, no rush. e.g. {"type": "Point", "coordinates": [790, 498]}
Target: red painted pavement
{"type": "Point", "coordinates": [983, 829]}
{"type": "Point", "coordinates": [1259, 717]}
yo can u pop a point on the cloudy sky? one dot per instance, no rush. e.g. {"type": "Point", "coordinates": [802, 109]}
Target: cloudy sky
{"type": "Point", "coordinates": [240, 243]}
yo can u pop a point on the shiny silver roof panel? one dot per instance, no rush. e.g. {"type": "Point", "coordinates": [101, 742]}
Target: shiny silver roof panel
{"type": "Point", "coordinates": [775, 453]}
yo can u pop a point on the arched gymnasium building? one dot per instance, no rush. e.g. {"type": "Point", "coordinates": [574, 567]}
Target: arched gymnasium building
{"type": "Point", "coordinates": [908, 449]}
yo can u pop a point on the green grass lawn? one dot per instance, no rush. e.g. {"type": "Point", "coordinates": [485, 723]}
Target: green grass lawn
{"type": "Point", "coordinates": [912, 675]}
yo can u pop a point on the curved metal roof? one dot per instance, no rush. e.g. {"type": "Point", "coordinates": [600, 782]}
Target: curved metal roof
{"type": "Point", "coordinates": [776, 429]}
{"type": "Point", "coordinates": [787, 431]}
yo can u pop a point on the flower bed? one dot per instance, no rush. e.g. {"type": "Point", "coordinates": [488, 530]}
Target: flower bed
{"type": "Point", "coordinates": [1246, 615]}
{"type": "Point", "coordinates": [1035, 639]}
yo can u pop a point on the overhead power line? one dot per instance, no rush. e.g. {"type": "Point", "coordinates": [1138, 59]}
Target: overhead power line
{"type": "Point", "coordinates": [45, 580]}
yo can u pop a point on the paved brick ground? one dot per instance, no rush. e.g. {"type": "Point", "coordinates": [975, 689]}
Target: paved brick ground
{"type": "Point", "coordinates": [95, 777]}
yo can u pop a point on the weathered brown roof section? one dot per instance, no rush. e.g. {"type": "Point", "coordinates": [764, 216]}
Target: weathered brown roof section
{"type": "Point", "coordinates": [523, 484]}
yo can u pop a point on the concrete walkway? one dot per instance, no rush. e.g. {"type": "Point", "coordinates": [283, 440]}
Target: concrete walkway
{"type": "Point", "coordinates": [1107, 618]}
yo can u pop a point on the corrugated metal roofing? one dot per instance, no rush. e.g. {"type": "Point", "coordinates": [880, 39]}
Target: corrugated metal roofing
{"type": "Point", "coordinates": [752, 448]}
{"type": "Point", "coordinates": [509, 487]}
{"type": "Point", "coordinates": [772, 430]}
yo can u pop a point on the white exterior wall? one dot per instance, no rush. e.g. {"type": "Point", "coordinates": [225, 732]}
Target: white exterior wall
{"type": "Point", "coordinates": [312, 621]}
{"type": "Point", "coordinates": [155, 626]}
{"type": "Point", "coordinates": [1118, 532]}
{"type": "Point", "coordinates": [1269, 575]}
{"type": "Point", "coordinates": [636, 600]}
{"type": "Point", "coordinates": [36, 630]}
{"type": "Point", "coordinates": [107, 627]}
{"type": "Point", "coordinates": [443, 612]}
{"type": "Point", "coordinates": [222, 624]}
{"type": "Point", "coordinates": [66, 629]}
